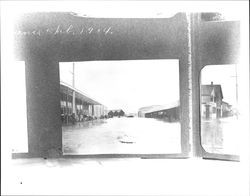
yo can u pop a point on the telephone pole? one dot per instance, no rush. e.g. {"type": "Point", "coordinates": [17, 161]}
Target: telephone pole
{"type": "Point", "coordinates": [236, 81]}
{"type": "Point", "coordinates": [74, 93]}
{"type": "Point", "coordinates": [236, 86]}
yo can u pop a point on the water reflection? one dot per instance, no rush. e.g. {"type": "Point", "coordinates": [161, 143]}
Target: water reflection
{"type": "Point", "coordinates": [122, 136]}
{"type": "Point", "coordinates": [219, 112]}
{"type": "Point", "coordinates": [220, 135]}
{"type": "Point", "coordinates": [85, 124]}
{"type": "Point", "coordinates": [212, 135]}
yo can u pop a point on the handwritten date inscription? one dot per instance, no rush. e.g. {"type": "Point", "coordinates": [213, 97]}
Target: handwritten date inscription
{"type": "Point", "coordinates": [70, 30]}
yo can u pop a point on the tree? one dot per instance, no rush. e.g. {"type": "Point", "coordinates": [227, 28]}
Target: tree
{"type": "Point", "coordinates": [110, 113]}
{"type": "Point", "coordinates": [116, 113]}
{"type": "Point", "coordinates": [121, 113]}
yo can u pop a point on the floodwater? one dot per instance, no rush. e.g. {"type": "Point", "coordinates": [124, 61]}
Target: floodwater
{"type": "Point", "coordinates": [221, 135]}
{"type": "Point", "coordinates": [122, 136]}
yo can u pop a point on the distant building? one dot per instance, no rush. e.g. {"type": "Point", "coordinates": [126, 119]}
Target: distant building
{"type": "Point", "coordinates": [118, 113]}
{"type": "Point", "coordinates": [169, 112]}
{"type": "Point", "coordinates": [132, 115]}
{"type": "Point", "coordinates": [226, 109]}
{"type": "Point", "coordinates": [142, 111]}
{"type": "Point", "coordinates": [212, 106]}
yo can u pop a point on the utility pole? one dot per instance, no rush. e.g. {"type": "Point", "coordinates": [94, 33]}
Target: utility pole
{"type": "Point", "coordinates": [74, 93]}
{"type": "Point", "coordinates": [236, 81]}
{"type": "Point", "coordinates": [236, 86]}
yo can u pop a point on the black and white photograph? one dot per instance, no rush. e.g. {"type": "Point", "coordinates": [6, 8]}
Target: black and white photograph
{"type": "Point", "coordinates": [133, 113]}
{"type": "Point", "coordinates": [125, 98]}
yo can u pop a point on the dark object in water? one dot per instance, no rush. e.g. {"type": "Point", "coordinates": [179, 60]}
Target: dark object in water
{"type": "Point", "coordinates": [125, 139]}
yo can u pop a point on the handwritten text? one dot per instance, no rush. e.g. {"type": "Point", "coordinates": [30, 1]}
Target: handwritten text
{"type": "Point", "coordinates": [69, 30]}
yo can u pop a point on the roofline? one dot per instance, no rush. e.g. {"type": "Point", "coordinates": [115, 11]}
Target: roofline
{"type": "Point", "coordinates": [80, 92]}
{"type": "Point", "coordinates": [159, 107]}
{"type": "Point", "coordinates": [217, 85]}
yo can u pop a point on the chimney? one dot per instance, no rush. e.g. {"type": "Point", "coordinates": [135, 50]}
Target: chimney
{"type": "Point", "coordinates": [212, 83]}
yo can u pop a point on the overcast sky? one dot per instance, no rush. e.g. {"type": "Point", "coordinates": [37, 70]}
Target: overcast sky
{"type": "Point", "coordinates": [126, 85]}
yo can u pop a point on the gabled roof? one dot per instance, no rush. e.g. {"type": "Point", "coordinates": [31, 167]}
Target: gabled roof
{"type": "Point", "coordinates": [208, 89]}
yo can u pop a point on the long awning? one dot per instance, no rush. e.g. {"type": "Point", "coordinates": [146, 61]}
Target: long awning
{"type": "Point", "coordinates": [66, 88]}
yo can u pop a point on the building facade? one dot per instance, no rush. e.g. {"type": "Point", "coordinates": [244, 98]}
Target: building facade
{"type": "Point", "coordinates": [212, 104]}
{"type": "Point", "coordinates": [169, 112]}
{"type": "Point", "coordinates": [86, 108]}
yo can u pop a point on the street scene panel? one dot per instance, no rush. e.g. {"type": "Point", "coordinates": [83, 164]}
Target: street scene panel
{"type": "Point", "coordinates": [219, 111]}
{"type": "Point", "coordinates": [120, 107]}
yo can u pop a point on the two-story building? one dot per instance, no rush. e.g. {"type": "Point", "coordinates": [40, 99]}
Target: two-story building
{"type": "Point", "coordinates": [211, 101]}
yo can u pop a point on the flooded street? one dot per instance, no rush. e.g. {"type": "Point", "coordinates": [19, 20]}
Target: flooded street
{"type": "Point", "coordinates": [122, 136]}
{"type": "Point", "coordinates": [220, 135]}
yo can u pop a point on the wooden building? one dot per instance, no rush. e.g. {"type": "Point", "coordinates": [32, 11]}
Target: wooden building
{"type": "Point", "coordinates": [86, 108]}
{"type": "Point", "coordinates": [212, 104]}
{"type": "Point", "coordinates": [169, 112]}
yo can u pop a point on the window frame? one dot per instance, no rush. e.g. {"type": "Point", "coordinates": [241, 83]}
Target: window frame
{"type": "Point", "coordinates": [206, 154]}
{"type": "Point", "coordinates": [205, 36]}
{"type": "Point", "coordinates": [191, 62]}
{"type": "Point", "coordinates": [182, 56]}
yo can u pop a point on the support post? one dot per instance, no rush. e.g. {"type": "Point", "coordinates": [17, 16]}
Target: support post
{"type": "Point", "coordinates": [74, 93]}
{"type": "Point", "coordinates": [43, 106]}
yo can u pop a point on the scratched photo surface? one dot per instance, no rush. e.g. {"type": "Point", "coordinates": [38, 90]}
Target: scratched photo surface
{"type": "Point", "coordinates": [105, 87]}
{"type": "Point", "coordinates": [125, 98]}
{"type": "Point", "coordinates": [120, 107]}
{"type": "Point", "coordinates": [116, 82]}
